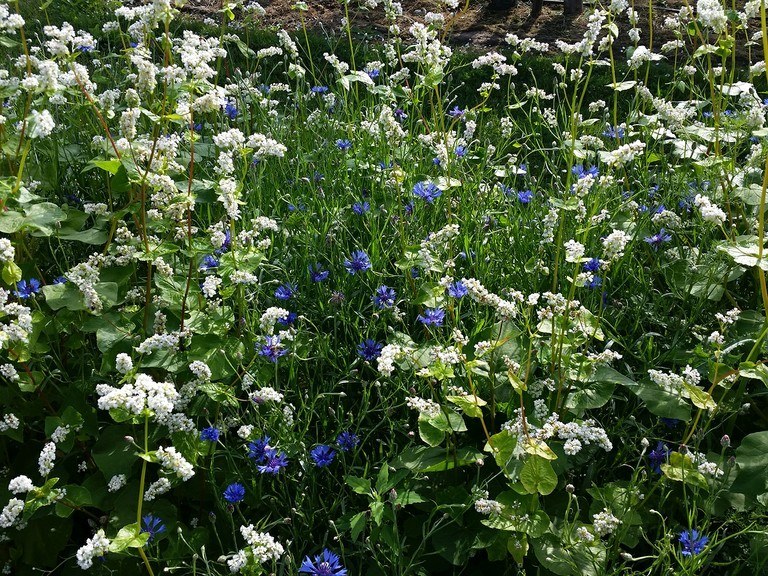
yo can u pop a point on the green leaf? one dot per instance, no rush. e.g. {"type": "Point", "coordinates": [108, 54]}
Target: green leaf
{"type": "Point", "coordinates": [11, 273]}
{"type": "Point", "coordinates": [65, 295]}
{"type": "Point", "coordinates": [129, 536]}
{"type": "Point", "coordinates": [357, 524]}
{"type": "Point", "coordinates": [752, 466]}
{"type": "Point", "coordinates": [681, 468]}
{"type": "Point", "coordinates": [538, 475]}
{"type": "Point", "coordinates": [111, 166]}
{"type": "Point", "coordinates": [359, 485]}
{"type": "Point", "coordinates": [425, 459]}
{"type": "Point", "coordinates": [11, 221]}
{"type": "Point", "coordinates": [470, 405]}
{"type": "Point", "coordinates": [429, 433]}
{"type": "Point", "coordinates": [539, 448]}
{"type": "Point", "coordinates": [43, 217]}
{"type": "Point", "coordinates": [534, 524]}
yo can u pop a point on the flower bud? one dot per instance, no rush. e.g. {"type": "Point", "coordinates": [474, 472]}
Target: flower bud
{"type": "Point", "coordinates": [570, 488]}
{"type": "Point", "coordinates": [725, 441]}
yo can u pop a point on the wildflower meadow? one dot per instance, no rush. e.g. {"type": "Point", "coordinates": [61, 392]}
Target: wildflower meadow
{"type": "Point", "coordinates": [282, 302]}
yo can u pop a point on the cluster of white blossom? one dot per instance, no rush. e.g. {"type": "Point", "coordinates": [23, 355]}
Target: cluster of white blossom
{"type": "Point", "coordinates": [140, 395]}
{"type": "Point", "coordinates": [11, 512]}
{"type": "Point", "coordinates": [171, 460]}
{"type": "Point", "coordinates": [18, 321]}
{"type": "Point", "coordinates": [262, 548]}
{"type": "Point", "coordinates": [95, 547]}
{"type": "Point", "coordinates": [604, 522]}
{"type": "Point", "coordinates": [157, 488]}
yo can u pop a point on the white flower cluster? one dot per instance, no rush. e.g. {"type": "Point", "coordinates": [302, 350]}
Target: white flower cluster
{"type": "Point", "coordinates": [123, 363]}
{"type": "Point", "coordinates": [505, 309]}
{"type": "Point", "coordinates": [157, 488]}
{"type": "Point", "coordinates": [262, 547]}
{"type": "Point", "coordinates": [170, 459]}
{"type": "Point", "coordinates": [95, 547]}
{"type": "Point", "coordinates": [41, 123]}
{"type": "Point", "coordinates": [7, 251]}
{"type": "Point", "coordinates": [18, 327]}
{"type": "Point", "coordinates": [488, 507]}
{"type": "Point", "coordinates": [9, 22]}
{"type": "Point", "coordinates": [575, 434]}
{"type": "Point", "coordinates": [605, 522]}
{"type": "Point", "coordinates": [574, 251]}
{"type": "Point", "coordinates": [614, 245]}
{"type": "Point", "coordinates": [20, 485]}
{"type": "Point", "coordinates": [709, 212]}
{"type": "Point", "coordinates": [270, 317]}
{"type": "Point", "coordinates": [11, 512]}
{"type": "Point", "coordinates": [266, 394]}
{"type": "Point", "coordinates": [9, 422]}
{"type": "Point", "coordinates": [424, 406]}
{"type": "Point", "coordinates": [46, 459]}
{"type": "Point", "coordinates": [712, 14]}
{"type": "Point", "coordinates": [116, 482]}
{"type": "Point", "coordinates": [136, 397]}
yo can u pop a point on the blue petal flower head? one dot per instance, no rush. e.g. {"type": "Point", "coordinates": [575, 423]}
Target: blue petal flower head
{"type": "Point", "coordinates": [658, 456]}
{"type": "Point", "coordinates": [581, 172]}
{"type": "Point", "coordinates": [257, 450]}
{"type": "Point", "coordinates": [596, 282]}
{"type": "Point", "coordinates": [457, 290]}
{"type": "Point", "coordinates": [60, 280]}
{"type": "Point", "coordinates": [226, 244]}
{"type": "Point", "coordinates": [234, 493]}
{"type": "Point", "coordinates": [318, 273]}
{"type": "Point", "coordinates": [27, 288]}
{"type": "Point", "coordinates": [273, 462]}
{"type": "Point", "coordinates": [373, 73]}
{"type": "Point", "coordinates": [152, 526]}
{"type": "Point", "coordinates": [692, 543]}
{"type": "Point", "coordinates": [286, 291]}
{"type": "Point", "coordinates": [369, 349]}
{"type": "Point", "coordinates": [432, 317]}
{"type": "Point", "coordinates": [400, 114]}
{"type": "Point", "coordinates": [231, 110]}
{"type": "Point", "coordinates": [322, 455]}
{"type": "Point", "coordinates": [209, 262]}
{"type": "Point", "coordinates": [461, 151]}
{"type": "Point", "coordinates": [384, 297]}
{"type": "Point", "coordinates": [592, 265]}
{"type": "Point", "coordinates": [319, 89]}
{"type": "Point", "coordinates": [611, 132]}
{"type": "Point", "coordinates": [210, 434]}
{"type": "Point", "coordinates": [325, 564]}
{"type": "Point", "coordinates": [357, 262]}
{"type": "Point", "coordinates": [427, 191]}
{"type": "Point", "coordinates": [347, 441]}
{"type": "Point", "coordinates": [272, 349]}
{"type": "Point", "coordinates": [456, 112]}
{"type": "Point", "coordinates": [524, 196]}
{"type": "Point", "coordinates": [361, 208]}
{"type": "Point", "coordinates": [288, 320]}
{"type": "Point", "coordinates": [658, 239]}
{"type": "Point", "coordinates": [343, 145]}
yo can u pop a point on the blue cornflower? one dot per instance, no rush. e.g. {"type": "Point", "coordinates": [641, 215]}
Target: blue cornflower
{"type": "Point", "coordinates": [198, 127]}
{"type": "Point", "coordinates": [231, 110]}
{"type": "Point", "coordinates": [343, 145]}
{"type": "Point", "coordinates": [373, 73]}
{"type": "Point", "coordinates": [85, 48]}
{"type": "Point", "coordinates": [272, 349]}
{"type": "Point", "coordinates": [357, 262]}
{"type": "Point", "coordinates": [432, 317]}
{"type": "Point", "coordinates": [384, 297]}
{"type": "Point", "coordinates": [658, 456]}
{"type": "Point", "coordinates": [670, 422]}
{"type": "Point", "coordinates": [288, 320]}
{"type": "Point", "coordinates": [686, 202]}
{"type": "Point", "coordinates": [318, 273]}
{"type": "Point", "coordinates": [210, 434]}
{"type": "Point", "coordinates": [60, 280]}
{"type": "Point", "coordinates": [596, 282]}
{"type": "Point", "coordinates": [226, 244]}
{"type": "Point", "coordinates": [209, 262]}
{"type": "Point", "coordinates": [457, 290]}
{"type": "Point", "coordinates": [436, 161]}
{"type": "Point", "coordinates": [152, 526]}
{"type": "Point", "coordinates": [611, 132]}
{"type": "Point", "coordinates": [325, 564]}
{"type": "Point", "coordinates": [592, 265]}
{"type": "Point", "coordinates": [658, 239]}
{"type": "Point", "coordinates": [400, 114]}
{"type": "Point", "coordinates": [27, 288]}
{"type": "Point", "coordinates": [581, 172]}
{"type": "Point", "coordinates": [524, 196]}
{"type": "Point", "coordinates": [369, 349]}
{"type": "Point", "coordinates": [456, 112]}
{"type": "Point", "coordinates": [257, 450]}
{"type": "Point", "coordinates": [319, 89]}
{"type": "Point", "coordinates": [461, 151]}
{"type": "Point", "coordinates": [322, 455]}
{"type": "Point", "coordinates": [234, 493]}
{"type": "Point", "coordinates": [273, 462]}
{"type": "Point", "coordinates": [347, 441]}
{"type": "Point", "coordinates": [318, 176]}
{"type": "Point", "coordinates": [286, 291]}
{"type": "Point", "coordinates": [692, 542]}
{"type": "Point", "coordinates": [361, 208]}
{"type": "Point", "coordinates": [427, 191]}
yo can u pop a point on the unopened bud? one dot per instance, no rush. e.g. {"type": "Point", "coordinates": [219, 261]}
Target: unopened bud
{"type": "Point", "coordinates": [570, 488]}
{"type": "Point", "coordinates": [644, 443]}
{"type": "Point", "coordinates": [129, 439]}
{"type": "Point", "coordinates": [725, 441]}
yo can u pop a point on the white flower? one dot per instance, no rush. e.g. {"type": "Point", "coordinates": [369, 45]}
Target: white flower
{"type": "Point", "coordinates": [46, 459]}
{"type": "Point", "coordinates": [95, 547]}
{"type": "Point", "coordinates": [116, 482]}
{"type": "Point", "coordinates": [574, 251]}
{"type": "Point", "coordinates": [42, 124]}
{"type": "Point", "coordinates": [605, 522]}
{"type": "Point", "coordinates": [157, 488]}
{"type": "Point", "coordinates": [123, 363]}
{"type": "Point", "coordinates": [171, 460]}
{"type": "Point", "coordinates": [20, 485]}
{"type": "Point", "coordinates": [11, 512]}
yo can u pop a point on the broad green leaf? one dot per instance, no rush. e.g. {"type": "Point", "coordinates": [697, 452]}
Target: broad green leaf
{"type": "Point", "coordinates": [11, 273]}
{"type": "Point", "coordinates": [681, 468]}
{"type": "Point", "coordinates": [129, 536]}
{"type": "Point", "coordinates": [470, 405]}
{"type": "Point", "coordinates": [429, 433]}
{"type": "Point", "coordinates": [359, 485]}
{"type": "Point", "coordinates": [538, 475]}
{"type": "Point", "coordinates": [539, 448]}
{"type": "Point", "coordinates": [752, 466]}
{"type": "Point", "coordinates": [357, 524]}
